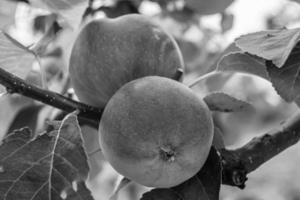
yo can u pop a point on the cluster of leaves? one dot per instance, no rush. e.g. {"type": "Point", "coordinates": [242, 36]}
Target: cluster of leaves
{"type": "Point", "coordinates": [272, 55]}
{"type": "Point", "coordinates": [54, 164]}
{"type": "Point", "coordinates": [51, 165]}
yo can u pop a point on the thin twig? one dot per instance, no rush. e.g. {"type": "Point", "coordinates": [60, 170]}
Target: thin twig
{"type": "Point", "coordinates": [14, 84]}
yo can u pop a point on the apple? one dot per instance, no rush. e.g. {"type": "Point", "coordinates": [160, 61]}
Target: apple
{"type": "Point", "coordinates": [156, 132]}
{"type": "Point", "coordinates": [111, 52]}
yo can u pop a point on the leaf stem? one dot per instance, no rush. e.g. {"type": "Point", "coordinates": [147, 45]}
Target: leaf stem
{"type": "Point", "coordinates": [203, 77]}
{"type": "Point", "coordinates": [94, 152]}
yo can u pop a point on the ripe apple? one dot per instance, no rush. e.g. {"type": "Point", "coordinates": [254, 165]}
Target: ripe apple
{"type": "Point", "coordinates": [156, 132]}
{"type": "Point", "coordinates": [111, 52]}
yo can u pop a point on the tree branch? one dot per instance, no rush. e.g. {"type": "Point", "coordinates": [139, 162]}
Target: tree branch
{"type": "Point", "coordinates": [236, 163]}
{"type": "Point", "coordinates": [14, 84]}
{"type": "Point", "coordinates": [239, 162]}
{"type": "Point", "coordinates": [89, 114]}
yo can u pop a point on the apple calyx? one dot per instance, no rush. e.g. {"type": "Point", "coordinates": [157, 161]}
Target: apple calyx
{"type": "Point", "coordinates": [167, 154]}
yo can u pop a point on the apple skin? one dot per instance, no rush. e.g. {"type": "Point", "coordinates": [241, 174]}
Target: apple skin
{"type": "Point", "coordinates": [111, 52]}
{"type": "Point", "coordinates": [156, 132]}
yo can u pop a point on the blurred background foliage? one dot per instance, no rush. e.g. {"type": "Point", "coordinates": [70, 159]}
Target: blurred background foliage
{"type": "Point", "coordinates": [202, 37]}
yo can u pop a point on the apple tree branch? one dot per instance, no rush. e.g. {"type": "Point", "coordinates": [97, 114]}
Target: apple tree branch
{"type": "Point", "coordinates": [14, 84]}
{"type": "Point", "coordinates": [239, 162]}
{"type": "Point", "coordinates": [236, 163]}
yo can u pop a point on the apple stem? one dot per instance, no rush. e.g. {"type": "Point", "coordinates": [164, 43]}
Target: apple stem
{"type": "Point", "coordinates": [167, 154]}
{"type": "Point", "coordinates": [178, 75]}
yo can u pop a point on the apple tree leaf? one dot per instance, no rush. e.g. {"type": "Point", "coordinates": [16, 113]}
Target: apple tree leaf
{"type": "Point", "coordinates": [118, 9]}
{"type": "Point", "coordinates": [11, 105]}
{"type": "Point", "coordinates": [205, 185]}
{"type": "Point", "coordinates": [7, 13]}
{"type": "Point", "coordinates": [286, 80]}
{"type": "Point", "coordinates": [226, 22]}
{"type": "Point", "coordinates": [231, 48]}
{"type": "Point", "coordinates": [243, 63]}
{"type": "Point", "coordinates": [14, 57]}
{"type": "Point", "coordinates": [74, 15]}
{"type": "Point", "coordinates": [27, 116]}
{"type": "Point", "coordinates": [218, 139]}
{"type": "Point", "coordinates": [50, 33]}
{"type": "Point", "coordinates": [274, 45]}
{"type": "Point", "coordinates": [204, 7]}
{"type": "Point", "coordinates": [70, 10]}
{"type": "Point", "coordinates": [51, 166]}
{"type": "Point", "coordinates": [219, 101]}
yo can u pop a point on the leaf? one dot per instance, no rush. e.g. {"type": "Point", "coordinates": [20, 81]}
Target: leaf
{"type": "Point", "coordinates": [274, 45]}
{"type": "Point", "coordinates": [286, 80]}
{"type": "Point", "coordinates": [231, 48]}
{"type": "Point", "coordinates": [14, 57]}
{"type": "Point", "coordinates": [226, 22]}
{"type": "Point", "coordinates": [222, 102]}
{"type": "Point", "coordinates": [51, 166]}
{"type": "Point", "coordinates": [10, 106]}
{"type": "Point", "coordinates": [244, 63]}
{"type": "Point", "coordinates": [27, 116]}
{"type": "Point", "coordinates": [218, 140]}
{"type": "Point", "coordinates": [7, 13]}
{"type": "Point", "coordinates": [71, 10]}
{"type": "Point", "coordinates": [74, 15]}
{"type": "Point", "coordinates": [205, 185]}
{"type": "Point", "coordinates": [50, 33]}
{"type": "Point", "coordinates": [120, 8]}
